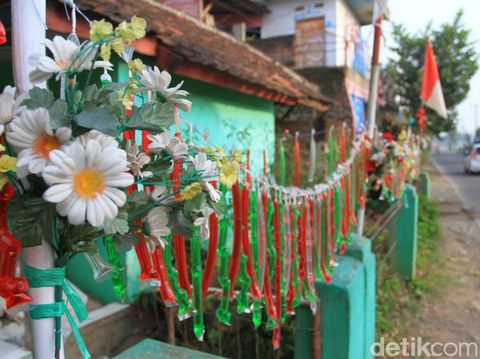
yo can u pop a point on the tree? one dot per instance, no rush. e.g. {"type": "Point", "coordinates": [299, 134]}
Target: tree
{"type": "Point", "coordinates": [457, 63]}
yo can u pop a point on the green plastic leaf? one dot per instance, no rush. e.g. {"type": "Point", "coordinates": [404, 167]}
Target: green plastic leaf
{"type": "Point", "coordinates": [151, 117]}
{"type": "Point", "coordinates": [57, 109]}
{"type": "Point", "coordinates": [125, 241]}
{"type": "Point", "coordinates": [99, 118]}
{"type": "Point", "coordinates": [31, 219]}
{"type": "Point", "coordinates": [116, 225]}
{"type": "Point", "coordinates": [219, 207]}
{"type": "Point", "coordinates": [38, 97]}
{"type": "Point", "coordinates": [196, 204]}
{"type": "Point", "coordinates": [180, 224]}
{"type": "Point", "coordinates": [58, 115]}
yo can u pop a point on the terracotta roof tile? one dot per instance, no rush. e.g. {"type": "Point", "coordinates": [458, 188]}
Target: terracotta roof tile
{"type": "Point", "coordinates": [201, 43]}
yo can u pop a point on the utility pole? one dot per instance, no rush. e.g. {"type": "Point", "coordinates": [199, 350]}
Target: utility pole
{"type": "Point", "coordinates": [28, 38]}
{"type": "Point", "coordinates": [372, 101]}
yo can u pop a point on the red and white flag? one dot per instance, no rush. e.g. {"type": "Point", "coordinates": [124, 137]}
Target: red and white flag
{"type": "Point", "coordinates": [431, 91]}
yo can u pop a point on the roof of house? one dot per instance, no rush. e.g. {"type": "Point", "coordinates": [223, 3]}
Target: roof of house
{"type": "Point", "coordinates": [197, 42]}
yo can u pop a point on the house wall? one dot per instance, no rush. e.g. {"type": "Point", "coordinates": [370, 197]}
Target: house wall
{"type": "Point", "coordinates": [340, 25]}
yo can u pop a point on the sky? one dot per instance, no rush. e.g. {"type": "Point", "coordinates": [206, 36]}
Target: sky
{"type": "Point", "coordinates": [415, 15]}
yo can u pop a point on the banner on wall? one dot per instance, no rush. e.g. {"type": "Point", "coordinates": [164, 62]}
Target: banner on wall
{"type": "Point", "coordinates": [358, 110]}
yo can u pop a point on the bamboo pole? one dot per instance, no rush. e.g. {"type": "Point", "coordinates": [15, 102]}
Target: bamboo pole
{"type": "Point", "coordinates": [28, 38]}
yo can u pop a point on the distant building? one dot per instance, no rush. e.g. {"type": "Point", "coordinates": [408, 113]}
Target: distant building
{"type": "Point", "coordinates": [322, 41]}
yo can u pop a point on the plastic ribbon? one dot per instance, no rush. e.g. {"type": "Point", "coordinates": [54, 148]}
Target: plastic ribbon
{"type": "Point", "coordinates": [283, 169]}
{"type": "Point", "coordinates": [278, 273]}
{"type": "Point", "coordinates": [212, 251]}
{"type": "Point", "coordinates": [296, 152]}
{"type": "Point", "coordinates": [222, 313]}
{"type": "Point", "coordinates": [55, 277]}
{"type": "Point", "coordinates": [166, 291]}
{"type": "Point", "coordinates": [313, 156]}
{"type": "Point", "coordinates": [198, 325]}
{"type": "Point", "coordinates": [118, 273]}
{"type": "Point", "coordinates": [237, 236]}
{"type": "Point", "coordinates": [179, 241]}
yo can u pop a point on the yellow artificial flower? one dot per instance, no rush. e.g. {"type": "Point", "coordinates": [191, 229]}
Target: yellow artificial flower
{"type": "Point", "coordinates": [129, 32]}
{"type": "Point", "coordinates": [2, 147]}
{"type": "Point", "coordinates": [136, 65]}
{"type": "Point", "coordinates": [139, 25]}
{"type": "Point", "coordinates": [229, 173]}
{"type": "Point", "coordinates": [3, 180]}
{"type": "Point", "coordinates": [106, 52]}
{"type": "Point", "coordinates": [191, 191]}
{"type": "Point", "coordinates": [100, 30]}
{"type": "Point", "coordinates": [402, 136]}
{"type": "Point", "coordinates": [221, 152]}
{"type": "Point", "coordinates": [7, 163]}
{"type": "Point", "coordinates": [118, 46]}
{"type": "Point", "coordinates": [237, 156]}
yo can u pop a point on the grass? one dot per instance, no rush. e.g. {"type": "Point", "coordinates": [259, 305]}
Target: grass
{"type": "Point", "coordinates": [398, 299]}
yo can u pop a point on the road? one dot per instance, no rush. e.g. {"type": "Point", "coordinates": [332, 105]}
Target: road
{"type": "Point", "coordinates": [467, 186]}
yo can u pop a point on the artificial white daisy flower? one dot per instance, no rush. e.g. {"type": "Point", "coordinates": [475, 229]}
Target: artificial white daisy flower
{"type": "Point", "coordinates": [162, 142]}
{"type": "Point", "coordinates": [136, 159]}
{"type": "Point", "coordinates": [103, 139]}
{"type": "Point", "coordinates": [9, 106]}
{"type": "Point", "coordinates": [85, 182]}
{"type": "Point", "coordinates": [203, 223]}
{"type": "Point", "coordinates": [213, 193]}
{"type": "Point", "coordinates": [157, 220]}
{"type": "Point", "coordinates": [207, 168]}
{"type": "Point", "coordinates": [158, 82]}
{"type": "Point", "coordinates": [32, 135]}
{"type": "Point", "coordinates": [67, 57]}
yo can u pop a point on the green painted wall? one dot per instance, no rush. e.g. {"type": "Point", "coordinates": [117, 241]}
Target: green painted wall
{"type": "Point", "coordinates": [232, 119]}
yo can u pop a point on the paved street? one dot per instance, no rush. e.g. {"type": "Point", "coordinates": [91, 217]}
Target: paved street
{"type": "Point", "coordinates": [468, 186]}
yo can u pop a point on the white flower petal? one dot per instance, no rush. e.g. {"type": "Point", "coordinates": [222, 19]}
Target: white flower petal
{"type": "Point", "coordinates": [76, 215]}
{"type": "Point", "coordinates": [58, 193]}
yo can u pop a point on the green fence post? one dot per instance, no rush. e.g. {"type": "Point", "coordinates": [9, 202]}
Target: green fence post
{"type": "Point", "coordinates": [361, 249]}
{"type": "Point", "coordinates": [342, 315]}
{"type": "Point", "coordinates": [425, 184]}
{"type": "Point", "coordinates": [402, 232]}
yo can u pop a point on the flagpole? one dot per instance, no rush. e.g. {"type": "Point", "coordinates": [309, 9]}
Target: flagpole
{"type": "Point", "coordinates": [28, 38]}
{"type": "Point", "coordinates": [372, 101]}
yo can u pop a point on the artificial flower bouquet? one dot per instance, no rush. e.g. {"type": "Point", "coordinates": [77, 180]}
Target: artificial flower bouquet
{"type": "Point", "coordinates": [392, 163]}
{"type": "Point", "coordinates": [72, 172]}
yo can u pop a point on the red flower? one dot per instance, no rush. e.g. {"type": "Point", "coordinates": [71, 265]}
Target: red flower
{"type": "Point", "coordinates": [3, 34]}
{"type": "Point", "coordinates": [371, 166]}
{"type": "Point", "coordinates": [388, 136]}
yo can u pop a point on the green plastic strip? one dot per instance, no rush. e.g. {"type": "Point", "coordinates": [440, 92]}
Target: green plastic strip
{"type": "Point", "coordinates": [55, 277]}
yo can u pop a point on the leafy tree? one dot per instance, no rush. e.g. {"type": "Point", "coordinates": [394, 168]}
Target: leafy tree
{"type": "Point", "coordinates": [457, 63]}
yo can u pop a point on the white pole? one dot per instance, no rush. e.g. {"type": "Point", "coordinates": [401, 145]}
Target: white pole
{"type": "Point", "coordinates": [28, 38]}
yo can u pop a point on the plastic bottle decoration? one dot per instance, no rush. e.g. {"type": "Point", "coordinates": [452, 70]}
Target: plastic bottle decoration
{"type": "Point", "coordinates": [237, 236]}
{"type": "Point", "coordinates": [283, 167]}
{"type": "Point", "coordinates": [179, 241]}
{"type": "Point", "coordinates": [118, 273]}
{"type": "Point", "coordinates": [166, 291]}
{"type": "Point", "coordinates": [198, 325]}
{"type": "Point", "coordinates": [253, 217]}
{"type": "Point", "coordinates": [296, 153]}
{"type": "Point", "coordinates": [269, 262]}
{"type": "Point", "coordinates": [313, 156]}
{"type": "Point", "coordinates": [13, 289]}
{"type": "Point", "coordinates": [310, 275]}
{"type": "Point", "coordinates": [332, 148]}
{"type": "Point", "coordinates": [222, 313]}
{"type": "Point", "coordinates": [278, 273]}
{"type": "Point", "coordinates": [99, 267]}
{"type": "Point", "coordinates": [212, 251]}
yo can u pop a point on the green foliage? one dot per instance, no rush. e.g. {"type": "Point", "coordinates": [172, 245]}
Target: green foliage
{"type": "Point", "coordinates": [33, 219]}
{"type": "Point", "coordinates": [151, 117]}
{"type": "Point", "coordinates": [457, 64]}
{"type": "Point", "coordinates": [57, 109]}
{"type": "Point", "coordinates": [397, 297]}
{"type": "Point", "coordinates": [99, 118]}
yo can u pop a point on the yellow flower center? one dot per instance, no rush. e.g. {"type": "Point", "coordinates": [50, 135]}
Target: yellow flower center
{"type": "Point", "coordinates": [44, 144]}
{"type": "Point", "coordinates": [62, 63]}
{"type": "Point", "coordinates": [190, 191]}
{"type": "Point", "coordinates": [88, 183]}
